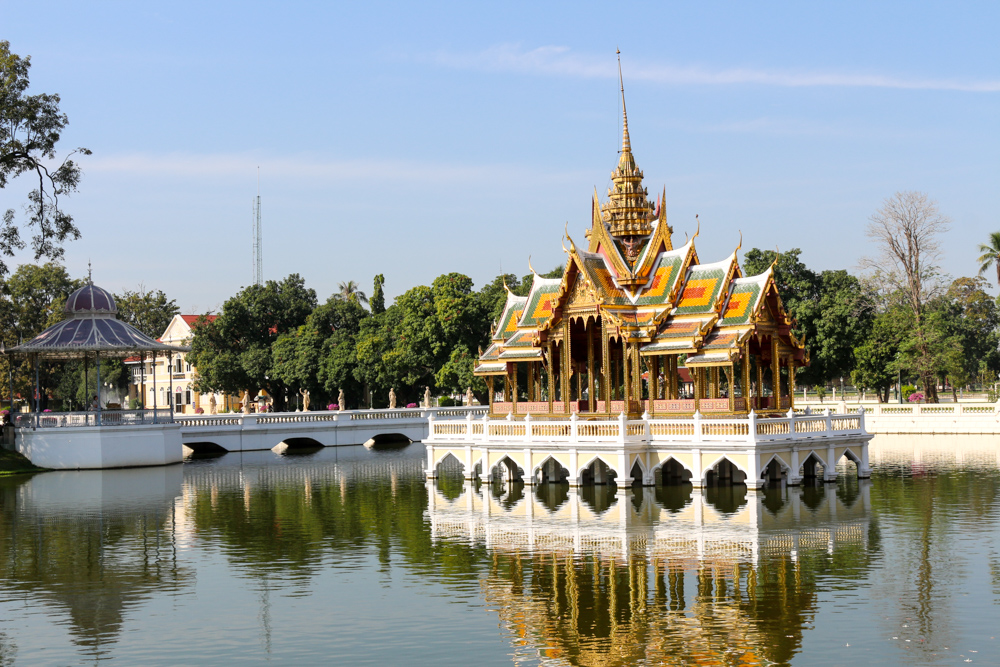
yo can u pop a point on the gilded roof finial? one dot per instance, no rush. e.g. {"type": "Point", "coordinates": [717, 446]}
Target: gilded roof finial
{"type": "Point", "coordinates": [530, 267]}
{"type": "Point", "coordinates": [741, 243]}
{"type": "Point", "coordinates": [90, 280]}
{"type": "Point", "coordinates": [777, 254]}
{"type": "Point", "coordinates": [626, 145]}
{"type": "Point", "coordinates": [698, 230]}
{"type": "Point", "coordinates": [572, 246]}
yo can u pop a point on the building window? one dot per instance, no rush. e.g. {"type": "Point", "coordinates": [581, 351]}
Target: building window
{"type": "Point", "coordinates": [187, 397]}
{"type": "Point", "coordinates": [178, 365]}
{"type": "Point", "coordinates": [187, 367]}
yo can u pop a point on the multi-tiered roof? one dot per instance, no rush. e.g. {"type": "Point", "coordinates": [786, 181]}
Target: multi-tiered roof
{"type": "Point", "coordinates": [649, 292]}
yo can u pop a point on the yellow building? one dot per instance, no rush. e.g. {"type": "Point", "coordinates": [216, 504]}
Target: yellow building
{"type": "Point", "coordinates": [169, 381]}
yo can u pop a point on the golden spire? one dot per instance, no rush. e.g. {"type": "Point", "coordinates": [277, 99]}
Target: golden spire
{"type": "Point", "coordinates": [628, 212]}
{"type": "Point", "coordinates": [626, 144]}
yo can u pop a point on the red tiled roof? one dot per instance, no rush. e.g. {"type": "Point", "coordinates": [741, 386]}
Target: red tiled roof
{"type": "Point", "coordinates": [191, 319]}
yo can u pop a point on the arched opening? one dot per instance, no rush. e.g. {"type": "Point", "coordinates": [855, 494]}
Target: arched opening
{"type": "Point", "coordinates": [449, 465]}
{"type": "Point", "coordinates": [672, 473]}
{"type": "Point", "coordinates": [848, 462]}
{"type": "Point", "coordinates": [297, 446]}
{"type": "Point", "coordinates": [812, 469]}
{"type": "Point", "coordinates": [204, 450]}
{"type": "Point", "coordinates": [774, 472]}
{"type": "Point", "coordinates": [388, 441]}
{"type": "Point", "coordinates": [506, 471]}
{"type": "Point", "coordinates": [598, 473]}
{"type": "Point", "coordinates": [636, 474]}
{"type": "Point", "coordinates": [450, 481]}
{"type": "Point", "coordinates": [724, 473]}
{"type": "Point", "coordinates": [551, 472]}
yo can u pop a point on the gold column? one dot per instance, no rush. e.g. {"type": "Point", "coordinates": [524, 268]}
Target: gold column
{"type": "Point", "coordinates": [653, 363]}
{"type": "Point", "coordinates": [625, 388]}
{"type": "Point", "coordinates": [513, 388]}
{"type": "Point", "coordinates": [713, 382]}
{"type": "Point", "coordinates": [548, 363]}
{"type": "Point", "coordinates": [745, 367]}
{"type": "Point", "coordinates": [489, 389]}
{"type": "Point", "coordinates": [605, 367]}
{"type": "Point", "coordinates": [732, 387]}
{"type": "Point", "coordinates": [675, 378]}
{"type": "Point", "coordinates": [775, 372]}
{"type": "Point", "coordinates": [636, 373]}
{"type": "Point", "coordinates": [566, 361]}
{"type": "Point", "coordinates": [696, 378]}
{"type": "Point", "coordinates": [579, 386]}
{"type": "Point", "coordinates": [760, 378]}
{"type": "Point", "coordinates": [529, 373]}
{"type": "Point", "coordinates": [591, 404]}
{"type": "Point", "coordinates": [791, 383]}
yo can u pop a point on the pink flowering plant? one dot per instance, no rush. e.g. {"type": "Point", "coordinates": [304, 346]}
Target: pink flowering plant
{"type": "Point", "coordinates": [916, 397]}
{"type": "Point", "coordinates": [332, 407]}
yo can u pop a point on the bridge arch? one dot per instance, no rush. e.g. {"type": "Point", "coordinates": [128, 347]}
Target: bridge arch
{"type": "Point", "coordinates": [301, 443]}
{"type": "Point", "coordinates": [388, 440]}
{"type": "Point", "coordinates": [775, 469]}
{"type": "Point", "coordinates": [550, 470]}
{"type": "Point", "coordinates": [507, 470]}
{"type": "Point", "coordinates": [808, 468]}
{"type": "Point", "coordinates": [670, 471]}
{"type": "Point", "coordinates": [206, 447]}
{"type": "Point", "coordinates": [724, 471]}
{"type": "Point", "coordinates": [448, 461]}
{"type": "Point", "coordinates": [598, 472]}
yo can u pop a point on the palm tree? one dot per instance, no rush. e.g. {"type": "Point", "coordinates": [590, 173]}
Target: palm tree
{"type": "Point", "coordinates": [349, 292]}
{"type": "Point", "coordinates": [991, 255]}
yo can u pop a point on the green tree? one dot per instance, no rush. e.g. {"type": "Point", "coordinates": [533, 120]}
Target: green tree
{"type": "Point", "coordinates": [349, 291]}
{"type": "Point", "coordinates": [990, 255]}
{"type": "Point", "coordinates": [31, 299]}
{"type": "Point", "coordinates": [377, 302]}
{"type": "Point", "coordinates": [148, 311]}
{"type": "Point", "coordinates": [233, 352]}
{"type": "Point", "coordinates": [30, 127]}
{"type": "Point", "coordinates": [876, 357]}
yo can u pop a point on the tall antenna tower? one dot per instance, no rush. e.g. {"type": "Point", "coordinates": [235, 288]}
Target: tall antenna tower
{"type": "Point", "coordinates": [258, 239]}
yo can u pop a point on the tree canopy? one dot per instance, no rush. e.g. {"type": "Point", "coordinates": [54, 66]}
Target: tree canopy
{"type": "Point", "coordinates": [30, 129]}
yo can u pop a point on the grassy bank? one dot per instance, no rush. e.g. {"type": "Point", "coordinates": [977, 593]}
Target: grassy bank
{"type": "Point", "coordinates": [12, 463]}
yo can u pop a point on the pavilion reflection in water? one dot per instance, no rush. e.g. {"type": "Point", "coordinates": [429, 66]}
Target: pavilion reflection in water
{"type": "Point", "coordinates": [672, 576]}
{"type": "Point", "coordinates": [92, 545]}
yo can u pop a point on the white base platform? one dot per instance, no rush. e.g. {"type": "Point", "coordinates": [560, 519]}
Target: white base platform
{"type": "Point", "coordinates": [96, 447]}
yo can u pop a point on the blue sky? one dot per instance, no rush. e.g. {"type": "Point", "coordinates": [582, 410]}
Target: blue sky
{"type": "Point", "coordinates": [414, 140]}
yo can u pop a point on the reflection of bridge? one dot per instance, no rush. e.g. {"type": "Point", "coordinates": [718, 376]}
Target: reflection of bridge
{"type": "Point", "coordinates": [239, 432]}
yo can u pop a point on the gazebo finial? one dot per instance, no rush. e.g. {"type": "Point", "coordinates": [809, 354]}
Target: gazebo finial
{"type": "Point", "coordinates": [90, 274]}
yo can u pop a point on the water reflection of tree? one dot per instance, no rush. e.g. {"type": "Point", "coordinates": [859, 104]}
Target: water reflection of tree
{"type": "Point", "coordinates": [931, 511]}
{"type": "Point", "coordinates": [94, 565]}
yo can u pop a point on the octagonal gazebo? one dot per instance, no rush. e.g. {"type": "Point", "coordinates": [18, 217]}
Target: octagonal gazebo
{"type": "Point", "coordinates": [95, 438]}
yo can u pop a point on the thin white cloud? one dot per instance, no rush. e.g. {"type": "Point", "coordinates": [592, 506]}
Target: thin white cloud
{"type": "Point", "coordinates": [561, 61]}
{"type": "Point", "coordinates": [221, 165]}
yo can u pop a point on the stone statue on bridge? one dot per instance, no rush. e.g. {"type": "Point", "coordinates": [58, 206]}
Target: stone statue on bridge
{"type": "Point", "coordinates": [305, 399]}
{"type": "Point", "coordinates": [341, 401]}
{"type": "Point", "coordinates": [427, 397]}
{"type": "Point", "coordinates": [212, 405]}
{"type": "Point", "coordinates": [392, 398]}
{"type": "Point", "coordinates": [468, 396]}
{"type": "Point", "coordinates": [246, 401]}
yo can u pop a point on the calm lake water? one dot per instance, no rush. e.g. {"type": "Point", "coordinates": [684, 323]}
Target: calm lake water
{"type": "Point", "coordinates": [346, 556]}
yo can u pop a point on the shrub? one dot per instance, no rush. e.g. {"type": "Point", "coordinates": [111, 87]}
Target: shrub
{"type": "Point", "coordinates": [820, 393]}
{"type": "Point", "coordinates": [907, 390]}
{"type": "Point", "coordinates": [333, 406]}
{"type": "Point", "coordinates": [411, 405]}
{"type": "Point", "coordinates": [199, 411]}
{"type": "Point", "coordinates": [446, 402]}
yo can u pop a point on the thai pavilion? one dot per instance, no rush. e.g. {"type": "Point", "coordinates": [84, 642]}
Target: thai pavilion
{"type": "Point", "coordinates": [630, 313]}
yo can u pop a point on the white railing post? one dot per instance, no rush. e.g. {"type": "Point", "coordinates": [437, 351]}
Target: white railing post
{"type": "Point", "coordinates": [791, 423]}
{"type": "Point", "coordinates": [622, 427]}
{"type": "Point", "coordinates": [829, 422]}
{"type": "Point", "coordinates": [468, 425]}
{"type": "Point", "coordinates": [486, 427]}
{"type": "Point", "coordinates": [861, 418]}
{"type": "Point", "coordinates": [527, 427]}
{"type": "Point", "coordinates": [752, 435]}
{"type": "Point", "coordinates": [574, 427]}
{"type": "Point", "coordinates": [646, 431]}
{"type": "Point", "coordinates": [697, 426]}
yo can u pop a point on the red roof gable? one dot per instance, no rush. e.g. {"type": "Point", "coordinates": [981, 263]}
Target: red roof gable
{"type": "Point", "coordinates": [191, 319]}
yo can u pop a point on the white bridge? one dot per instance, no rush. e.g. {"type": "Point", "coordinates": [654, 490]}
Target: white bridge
{"type": "Point", "coordinates": [245, 432]}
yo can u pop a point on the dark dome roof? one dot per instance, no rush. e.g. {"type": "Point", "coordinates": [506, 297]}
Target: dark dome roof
{"type": "Point", "coordinates": [91, 299]}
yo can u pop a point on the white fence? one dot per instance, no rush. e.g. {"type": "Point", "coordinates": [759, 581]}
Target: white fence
{"type": "Point", "coordinates": [94, 418]}
{"type": "Point", "coordinates": [648, 430]}
{"type": "Point", "coordinates": [270, 418]}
